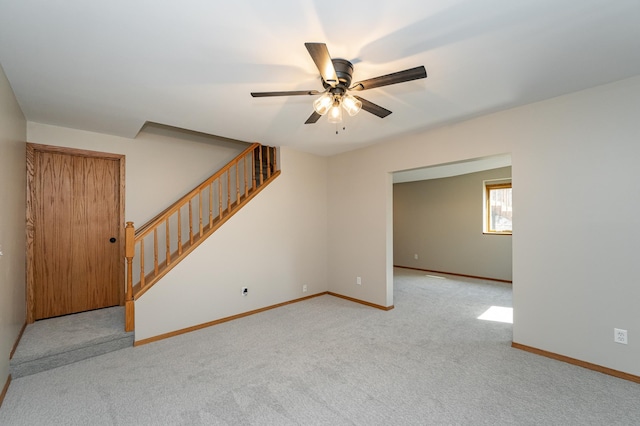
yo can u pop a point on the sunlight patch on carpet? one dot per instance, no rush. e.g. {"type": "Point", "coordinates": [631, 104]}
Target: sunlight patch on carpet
{"type": "Point", "coordinates": [499, 314]}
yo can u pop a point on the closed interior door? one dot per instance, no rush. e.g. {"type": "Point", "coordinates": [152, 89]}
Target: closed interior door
{"type": "Point", "coordinates": [76, 230]}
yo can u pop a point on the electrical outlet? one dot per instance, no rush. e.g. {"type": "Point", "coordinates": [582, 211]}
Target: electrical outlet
{"type": "Point", "coordinates": [304, 288]}
{"type": "Point", "coordinates": [620, 336]}
{"type": "Point", "coordinates": [415, 256]}
{"type": "Point", "coordinates": [245, 291]}
{"type": "Point", "coordinates": [359, 280]}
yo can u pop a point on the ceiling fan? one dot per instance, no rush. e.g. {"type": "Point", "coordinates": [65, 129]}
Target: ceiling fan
{"type": "Point", "coordinates": [336, 79]}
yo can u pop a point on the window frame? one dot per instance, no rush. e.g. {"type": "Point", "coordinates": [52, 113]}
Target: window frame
{"type": "Point", "coordinates": [488, 187]}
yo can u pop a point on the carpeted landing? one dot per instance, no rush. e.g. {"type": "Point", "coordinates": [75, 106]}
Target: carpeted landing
{"type": "Point", "coordinates": [54, 342]}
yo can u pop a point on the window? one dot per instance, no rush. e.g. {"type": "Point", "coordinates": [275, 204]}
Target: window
{"type": "Point", "coordinates": [498, 209]}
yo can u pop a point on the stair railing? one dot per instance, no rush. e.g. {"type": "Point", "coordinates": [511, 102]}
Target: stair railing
{"type": "Point", "coordinates": [155, 248]}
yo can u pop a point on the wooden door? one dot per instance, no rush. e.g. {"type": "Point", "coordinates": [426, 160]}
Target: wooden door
{"type": "Point", "coordinates": [75, 237]}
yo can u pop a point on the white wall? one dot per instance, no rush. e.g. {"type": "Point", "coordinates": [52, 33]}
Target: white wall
{"type": "Point", "coordinates": [12, 222]}
{"type": "Point", "coordinates": [576, 236]}
{"type": "Point", "coordinates": [575, 244]}
{"type": "Point", "coordinates": [273, 246]}
{"type": "Point", "coordinates": [161, 166]}
{"type": "Point", "coordinates": [441, 220]}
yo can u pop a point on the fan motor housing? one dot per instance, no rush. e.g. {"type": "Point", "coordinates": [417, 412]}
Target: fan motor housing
{"type": "Point", "coordinates": [344, 72]}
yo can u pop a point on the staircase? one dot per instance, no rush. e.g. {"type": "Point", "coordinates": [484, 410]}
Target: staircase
{"type": "Point", "coordinates": [158, 246]}
{"type": "Point", "coordinates": [151, 252]}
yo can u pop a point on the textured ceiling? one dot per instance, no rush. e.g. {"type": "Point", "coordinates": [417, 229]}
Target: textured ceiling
{"type": "Point", "coordinates": [111, 66]}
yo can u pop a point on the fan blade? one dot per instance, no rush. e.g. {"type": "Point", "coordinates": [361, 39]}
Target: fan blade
{"type": "Point", "coordinates": [291, 93]}
{"type": "Point", "coordinates": [394, 78]}
{"type": "Point", "coordinates": [373, 108]}
{"type": "Point", "coordinates": [313, 118]}
{"type": "Point", "coordinates": [320, 55]}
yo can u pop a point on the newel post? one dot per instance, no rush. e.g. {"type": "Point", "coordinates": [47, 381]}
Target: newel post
{"type": "Point", "coordinates": [129, 252]}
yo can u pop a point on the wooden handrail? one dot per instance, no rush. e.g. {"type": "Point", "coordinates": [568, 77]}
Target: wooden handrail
{"type": "Point", "coordinates": [258, 170]}
{"type": "Point", "coordinates": [161, 217]}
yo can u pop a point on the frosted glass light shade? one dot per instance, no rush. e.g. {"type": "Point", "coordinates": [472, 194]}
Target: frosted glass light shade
{"type": "Point", "coordinates": [323, 103]}
{"type": "Point", "coordinates": [335, 113]}
{"type": "Point", "coordinates": [351, 104]}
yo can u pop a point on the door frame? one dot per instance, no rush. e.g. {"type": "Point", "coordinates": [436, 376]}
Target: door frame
{"type": "Point", "coordinates": [32, 148]}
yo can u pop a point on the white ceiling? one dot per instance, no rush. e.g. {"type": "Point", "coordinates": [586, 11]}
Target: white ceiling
{"type": "Point", "coordinates": [111, 66]}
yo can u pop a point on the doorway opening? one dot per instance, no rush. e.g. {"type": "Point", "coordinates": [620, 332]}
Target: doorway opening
{"type": "Point", "coordinates": [438, 220]}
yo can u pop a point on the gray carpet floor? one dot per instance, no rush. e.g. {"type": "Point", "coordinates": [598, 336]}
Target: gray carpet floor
{"type": "Point", "coordinates": [328, 361]}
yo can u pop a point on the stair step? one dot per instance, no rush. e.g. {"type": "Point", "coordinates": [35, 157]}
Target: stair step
{"type": "Point", "coordinates": [54, 342]}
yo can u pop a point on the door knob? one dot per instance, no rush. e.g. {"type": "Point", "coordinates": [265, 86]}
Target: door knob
{"type": "Point", "coordinates": [112, 240]}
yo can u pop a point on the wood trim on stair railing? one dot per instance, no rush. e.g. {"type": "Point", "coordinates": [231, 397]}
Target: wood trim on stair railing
{"type": "Point", "coordinates": [129, 252]}
{"type": "Point", "coordinates": [160, 216]}
{"type": "Point", "coordinates": [262, 168]}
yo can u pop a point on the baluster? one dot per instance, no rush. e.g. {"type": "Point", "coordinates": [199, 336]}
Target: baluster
{"type": "Point", "coordinates": [268, 162]}
{"type": "Point", "coordinates": [190, 223]}
{"type": "Point", "coordinates": [237, 183]}
{"type": "Point", "coordinates": [155, 251]}
{"type": "Point", "coordinates": [200, 206]}
{"type": "Point", "coordinates": [253, 169]}
{"type": "Point", "coordinates": [179, 232]}
{"type": "Point", "coordinates": [228, 191]}
{"type": "Point", "coordinates": [260, 159]}
{"type": "Point", "coordinates": [142, 263]}
{"type": "Point", "coordinates": [246, 183]}
{"type": "Point", "coordinates": [275, 159]}
{"type": "Point", "coordinates": [220, 197]}
{"type": "Point", "coordinates": [210, 205]}
{"type": "Point", "coordinates": [168, 238]}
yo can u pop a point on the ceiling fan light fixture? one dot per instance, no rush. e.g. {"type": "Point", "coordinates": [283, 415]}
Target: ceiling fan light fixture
{"type": "Point", "coordinates": [335, 113]}
{"type": "Point", "coordinates": [336, 75]}
{"type": "Point", "coordinates": [323, 103]}
{"type": "Point", "coordinates": [351, 104]}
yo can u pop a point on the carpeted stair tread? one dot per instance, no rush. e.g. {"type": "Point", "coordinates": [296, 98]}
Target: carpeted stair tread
{"type": "Point", "coordinates": [64, 340]}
